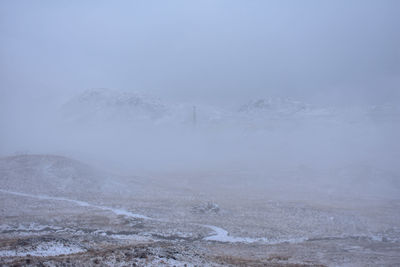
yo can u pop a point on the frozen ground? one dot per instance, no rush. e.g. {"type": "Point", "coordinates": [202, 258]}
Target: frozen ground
{"type": "Point", "coordinates": [57, 211]}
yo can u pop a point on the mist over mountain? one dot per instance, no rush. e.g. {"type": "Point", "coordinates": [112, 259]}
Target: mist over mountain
{"type": "Point", "coordinates": [113, 105]}
{"type": "Point", "coordinates": [116, 106]}
{"type": "Point", "coordinates": [138, 129]}
{"type": "Point", "coordinates": [200, 133]}
{"type": "Point", "coordinates": [284, 106]}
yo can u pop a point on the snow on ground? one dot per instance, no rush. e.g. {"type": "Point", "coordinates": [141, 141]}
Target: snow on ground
{"type": "Point", "coordinates": [76, 222]}
{"type": "Point", "coordinates": [43, 249]}
{"type": "Point", "coordinates": [79, 203]}
{"type": "Point", "coordinates": [220, 235]}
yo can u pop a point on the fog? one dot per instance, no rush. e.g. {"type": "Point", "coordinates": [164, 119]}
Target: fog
{"type": "Point", "coordinates": [215, 53]}
{"type": "Point", "coordinates": [204, 124]}
{"type": "Point", "coordinates": [208, 51]}
{"type": "Point", "coordinates": [219, 54]}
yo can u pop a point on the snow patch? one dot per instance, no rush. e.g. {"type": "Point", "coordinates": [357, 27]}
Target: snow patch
{"type": "Point", "coordinates": [43, 250]}
{"type": "Point", "coordinates": [222, 235]}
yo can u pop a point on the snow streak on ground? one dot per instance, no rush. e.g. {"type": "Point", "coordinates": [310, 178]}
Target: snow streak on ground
{"type": "Point", "coordinates": [223, 236]}
{"type": "Point", "coordinates": [220, 235]}
{"type": "Point", "coordinates": [79, 203]}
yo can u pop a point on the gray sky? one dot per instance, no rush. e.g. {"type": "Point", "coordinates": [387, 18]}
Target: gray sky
{"type": "Point", "coordinates": [215, 51]}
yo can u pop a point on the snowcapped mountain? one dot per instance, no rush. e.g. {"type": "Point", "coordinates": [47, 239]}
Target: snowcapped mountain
{"type": "Point", "coordinates": [131, 108]}
{"type": "Point", "coordinates": [113, 105]}
{"type": "Point", "coordinates": [281, 108]}
{"type": "Point", "coordinates": [108, 105]}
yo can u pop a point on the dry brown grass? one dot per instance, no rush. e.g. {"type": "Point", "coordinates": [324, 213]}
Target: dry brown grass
{"type": "Point", "coordinates": [239, 261]}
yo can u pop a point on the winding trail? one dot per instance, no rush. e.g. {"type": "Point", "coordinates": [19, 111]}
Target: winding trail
{"type": "Point", "coordinates": [79, 203]}
{"type": "Point", "coordinates": [220, 235]}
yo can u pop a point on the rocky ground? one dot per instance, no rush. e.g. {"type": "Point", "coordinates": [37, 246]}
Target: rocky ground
{"type": "Point", "coordinates": [50, 217]}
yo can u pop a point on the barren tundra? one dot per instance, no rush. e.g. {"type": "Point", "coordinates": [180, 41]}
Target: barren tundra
{"type": "Point", "coordinates": [200, 133]}
{"type": "Point", "coordinates": [57, 211]}
{"type": "Point", "coordinates": [139, 181]}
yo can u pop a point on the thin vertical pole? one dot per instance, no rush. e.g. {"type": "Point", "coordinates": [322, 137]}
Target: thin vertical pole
{"type": "Point", "coordinates": [194, 116]}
